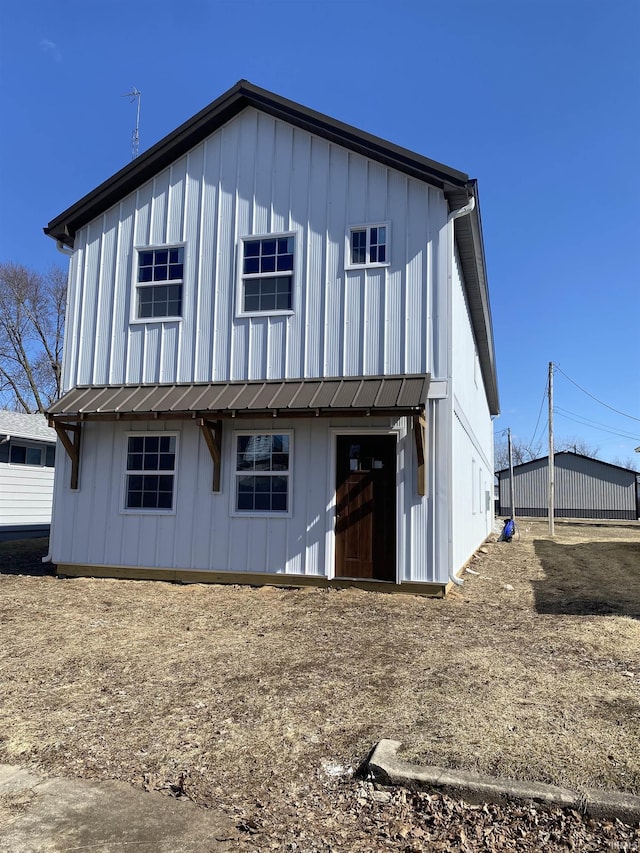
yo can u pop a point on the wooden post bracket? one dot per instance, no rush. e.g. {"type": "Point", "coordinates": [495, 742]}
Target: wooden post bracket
{"type": "Point", "coordinates": [212, 432]}
{"type": "Point", "coordinates": [71, 444]}
{"type": "Point", "coordinates": [419, 434]}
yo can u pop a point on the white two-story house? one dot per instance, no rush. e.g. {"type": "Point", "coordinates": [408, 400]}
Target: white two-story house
{"type": "Point", "coordinates": [279, 362]}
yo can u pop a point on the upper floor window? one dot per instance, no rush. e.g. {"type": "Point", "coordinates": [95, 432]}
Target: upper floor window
{"type": "Point", "coordinates": [267, 275]}
{"type": "Point", "coordinates": [159, 285]}
{"type": "Point", "coordinates": [368, 246]}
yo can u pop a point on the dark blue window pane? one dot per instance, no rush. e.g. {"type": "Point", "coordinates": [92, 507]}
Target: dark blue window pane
{"type": "Point", "coordinates": [145, 310]}
{"type": "Point", "coordinates": [283, 302]}
{"type": "Point", "coordinates": [175, 271]}
{"type": "Point", "coordinates": [18, 454]}
{"type": "Point", "coordinates": [175, 256]}
{"type": "Point", "coordinates": [268, 247]}
{"type": "Point", "coordinates": [149, 500]}
{"type": "Point", "coordinates": [251, 265]}
{"type": "Point", "coordinates": [146, 259]}
{"type": "Point", "coordinates": [279, 503]}
{"type": "Point", "coordinates": [165, 483]}
{"type": "Point", "coordinates": [135, 483]}
{"type": "Point", "coordinates": [263, 502]}
{"type": "Point", "coordinates": [252, 249]}
{"type": "Point", "coordinates": [165, 443]}
{"type": "Point", "coordinates": [174, 309]}
{"type": "Point", "coordinates": [145, 274]}
{"type": "Point", "coordinates": [51, 457]}
{"type": "Point", "coordinates": [268, 264]}
{"type": "Point", "coordinates": [136, 444]}
{"type": "Point", "coordinates": [374, 254]}
{"type": "Point", "coordinates": [252, 303]}
{"type": "Point", "coordinates": [374, 235]}
{"type": "Point", "coordinates": [151, 443]}
{"type": "Point", "coordinates": [134, 499]}
{"type": "Point", "coordinates": [174, 292]}
{"type": "Point", "coordinates": [382, 254]}
{"type": "Point", "coordinates": [280, 462]}
{"type": "Point", "coordinates": [285, 262]}
{"type": "Point", "coordinates": [161, 256]}
{"type": "Point", "coordinates": [160, 273]}
{"type": "Point", "coordinates": [165, 500]}
{"type": "Point", "coordinates": [134, 462]}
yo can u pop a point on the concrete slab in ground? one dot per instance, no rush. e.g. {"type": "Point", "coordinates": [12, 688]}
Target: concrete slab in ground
{"type": "Point", "coordinates": [39, 815]}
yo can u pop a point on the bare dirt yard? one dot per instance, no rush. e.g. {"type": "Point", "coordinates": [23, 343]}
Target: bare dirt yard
{"type": "Point", "coordinates": [264, 701]}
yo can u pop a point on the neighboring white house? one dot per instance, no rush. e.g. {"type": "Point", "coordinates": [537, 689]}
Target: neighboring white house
{"type": "Point", "coordinates": [279, 361]}
{"type": "Point", "coordinates": [27, 455]}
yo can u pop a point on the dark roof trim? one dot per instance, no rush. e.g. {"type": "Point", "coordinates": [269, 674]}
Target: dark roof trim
{"type": "Point", "coordinates": [372, 395]}
{"type": "Point", "coordinates": [218, 113]}
{"type": "Point", "coordinates": [568, 453]}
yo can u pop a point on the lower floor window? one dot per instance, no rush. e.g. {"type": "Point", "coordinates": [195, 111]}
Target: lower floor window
{"type": "Point", "coordinates": [151, 461]}
{"type": "Point", "coordinates": [262, 473]}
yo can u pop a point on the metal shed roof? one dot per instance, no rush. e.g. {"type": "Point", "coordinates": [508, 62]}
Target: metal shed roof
{"type": "Point", "coordinates": [375, 395]}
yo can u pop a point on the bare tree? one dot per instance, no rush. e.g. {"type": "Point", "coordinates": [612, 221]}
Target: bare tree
{"type": "Point", "coordinates": [576, 445]}
{"type": "Point", "coordinates": [521, 452]}
{"type": "Point", "coordinates": [32, 313]}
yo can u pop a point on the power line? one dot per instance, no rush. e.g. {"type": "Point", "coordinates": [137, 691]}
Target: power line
{"type": "Point", "coordinates": [579, 419]}
{"type": "Point", "coordinates": [533, 437]}
{"type": "Point", "coordinates": [589, 394]}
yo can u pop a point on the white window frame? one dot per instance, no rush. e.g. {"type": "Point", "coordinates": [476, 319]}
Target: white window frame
{"type": "Point", "coordinates": [368, 263]}
{"type": "Point", "coordinates": [150, 511]}
{"type": "Point", "coordinates": [30, 445]}
{"type": "Point", "coordinates": [260, 276]}
{"type": "Point", "coordinates": [138, 250]}
{"type": "Point", "coordinates": [239, 513]}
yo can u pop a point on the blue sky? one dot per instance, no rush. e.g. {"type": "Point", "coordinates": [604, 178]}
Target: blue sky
{"type": "Point", "coordinates": [538, 99]}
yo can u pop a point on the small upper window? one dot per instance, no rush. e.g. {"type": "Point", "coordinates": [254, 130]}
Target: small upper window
{"type": "Point", "coordinates": [267, 275]}
{"type": "Point", "coordinates": [368, 246]}
{"type": "Point", "coordinates": [159, 286]}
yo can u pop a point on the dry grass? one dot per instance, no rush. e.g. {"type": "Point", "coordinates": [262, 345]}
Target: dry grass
{"type": "Point", "coordinates": [531, 670]}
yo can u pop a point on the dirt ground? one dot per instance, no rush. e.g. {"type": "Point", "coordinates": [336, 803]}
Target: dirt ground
{"type": "Point", "coordinates": [264, 701]}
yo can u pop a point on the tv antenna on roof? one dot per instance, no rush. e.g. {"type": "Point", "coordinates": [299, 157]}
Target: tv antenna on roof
{"type": "Point", "coordinates": [133, 95]}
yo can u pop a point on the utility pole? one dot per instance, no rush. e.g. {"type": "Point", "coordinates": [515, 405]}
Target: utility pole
{"type": "Point", "coordinates": [551, 457]}
{"type": "Point", "coordinates": [511, 485]}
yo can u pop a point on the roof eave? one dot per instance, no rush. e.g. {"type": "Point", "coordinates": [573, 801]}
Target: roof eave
{"type": "Point", "coordinates": [214, 116]}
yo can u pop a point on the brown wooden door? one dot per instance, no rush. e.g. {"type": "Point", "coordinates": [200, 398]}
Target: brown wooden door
{"type": "Point", "coordinates": [366, 507]}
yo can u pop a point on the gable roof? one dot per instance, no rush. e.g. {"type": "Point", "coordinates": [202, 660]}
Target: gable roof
{"type": "Point", "coordinates": [458, 188]}
{"type": "Point", "coordinates": [18, 425]}
{"type": "Point", "coordinates": [568, 454]}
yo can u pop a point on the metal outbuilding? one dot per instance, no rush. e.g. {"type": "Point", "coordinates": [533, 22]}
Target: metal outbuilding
{"type": "Point", "coordinates": [584, 488]}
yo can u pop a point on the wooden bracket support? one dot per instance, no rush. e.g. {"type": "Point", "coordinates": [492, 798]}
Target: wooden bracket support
{"type": "Point", "coordinates": [71, 444]}
{"type": "Point", "coordinates": [212, 432]}
{"type": "Point", "coordinates": [419, 434]}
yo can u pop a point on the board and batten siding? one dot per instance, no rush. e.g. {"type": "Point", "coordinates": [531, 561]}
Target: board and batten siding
{"type": "Point", "coordinates": [203, 533]}
{"type": "Point", "coordinates": [255, 176]}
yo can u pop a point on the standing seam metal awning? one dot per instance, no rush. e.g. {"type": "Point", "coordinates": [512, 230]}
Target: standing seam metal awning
{"type": "Point", "coordinates": [371, 395]}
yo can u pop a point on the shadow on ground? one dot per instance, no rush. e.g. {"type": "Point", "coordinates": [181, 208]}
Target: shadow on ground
{"type": "Point", "coordinates": [24, 557]}
{"type": "Point", "coordinates": [589, 579]}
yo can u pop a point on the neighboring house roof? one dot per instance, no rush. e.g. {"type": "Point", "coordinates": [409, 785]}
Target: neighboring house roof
{"type": "Point", "coordinates": [457, 187]}
{"type": "Point", "coordinates": [370, 395]}
{"type": "Point", "coordinates": [33, 427]}
{"type": "Point", "coordinates": [566, 454]}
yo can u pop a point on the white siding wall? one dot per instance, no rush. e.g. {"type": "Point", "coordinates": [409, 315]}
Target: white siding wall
{"type": "Point", "coordinates": [258, 175]}
{"type": "Point", "coordinates": [25, 494]}
{"type": "Point", "coordinates": [202, 534]}
{"type": "Point", "coordinates": [472, 437]}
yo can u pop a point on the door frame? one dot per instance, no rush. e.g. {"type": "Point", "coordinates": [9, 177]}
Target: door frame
{"type": "Point", "coordinates": [334, 432]}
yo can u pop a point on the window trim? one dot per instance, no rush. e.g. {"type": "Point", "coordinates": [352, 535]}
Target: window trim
{"type": "Point", "coordinates": [276, 312]}
{"type": "Point", "coordinates": [234, 511]}
{"type": "Point", "coordinates": [156, 247]}
{"type": "Point", "coordinates": [151, 511]}
{"type": "Point", "coordinates": [368, 264]}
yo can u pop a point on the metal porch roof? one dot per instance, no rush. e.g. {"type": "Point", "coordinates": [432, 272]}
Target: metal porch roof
{"type": "Point", "coordinates": [375, 395]}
